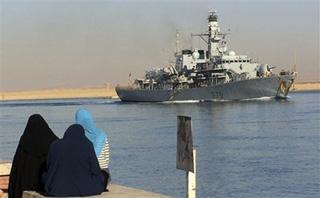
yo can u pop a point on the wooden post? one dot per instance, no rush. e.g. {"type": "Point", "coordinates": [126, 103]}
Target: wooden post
{"type": "Point", "coordinates": [186, 155]}
{"type": "Point", "coordinates": [184, 144]}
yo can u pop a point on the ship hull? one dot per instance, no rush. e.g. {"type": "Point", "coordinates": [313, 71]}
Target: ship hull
{"type": "Point", "coordinates": [275, 86]}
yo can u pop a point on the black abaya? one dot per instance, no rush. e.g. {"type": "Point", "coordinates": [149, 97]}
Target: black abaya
{"type": "Point", "coordinates": [29, 161]}
{"type": "Point", "coordinates": [73, 168]}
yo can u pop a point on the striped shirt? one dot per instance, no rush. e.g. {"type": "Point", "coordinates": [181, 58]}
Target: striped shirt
{"type": "Point", "coordinates": [104, 156]}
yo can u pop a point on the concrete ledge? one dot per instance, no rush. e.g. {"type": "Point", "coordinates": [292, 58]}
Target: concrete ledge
{"type": "Point", "coordinates": [4, 183]}
{"type": "Point", "coordinates": [5, 168]}
{"type": "Point", "coordinates": [115, 191]}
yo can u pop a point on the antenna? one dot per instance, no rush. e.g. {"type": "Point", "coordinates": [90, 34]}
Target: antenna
{"type": "Point", "coordinates": [294, 68]}
{"type": "Point", "coordinates": [177, 43]}
{"type": "Point", "coordinates": [191, 42]}
{"type": "Point", "coordinates": [295, 61]}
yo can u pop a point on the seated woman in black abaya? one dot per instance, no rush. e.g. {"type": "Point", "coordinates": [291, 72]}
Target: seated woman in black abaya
{"type": "Point", "coordinates": [73, 168]}
{"type": "Point", "coordinates": [29, 161]}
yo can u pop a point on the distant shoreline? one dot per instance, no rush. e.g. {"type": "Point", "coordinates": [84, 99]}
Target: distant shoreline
{"type": "Point", "coordinates": [99, 92]}
{"type": "Point", "coordinates": [305, 86]}
{"type": "Point", "coordinates": [104, 92]}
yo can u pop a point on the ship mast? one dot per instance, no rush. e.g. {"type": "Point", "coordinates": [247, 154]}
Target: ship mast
{"type": "Point", "coordinates": [213, 37]}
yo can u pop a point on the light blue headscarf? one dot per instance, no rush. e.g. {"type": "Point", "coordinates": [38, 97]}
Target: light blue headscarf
{"type": "Point", "coordinates": [95, 135]}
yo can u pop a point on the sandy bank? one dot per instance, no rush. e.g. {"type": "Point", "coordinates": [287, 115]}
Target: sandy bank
{"type": "Point", "coordinates": [100, 92]}
{"type": "Point", "coordinates": [306, 86]}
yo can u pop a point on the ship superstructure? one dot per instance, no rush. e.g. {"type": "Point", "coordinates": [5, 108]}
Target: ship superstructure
{"type": "Point", "coordinates": [215, 73]}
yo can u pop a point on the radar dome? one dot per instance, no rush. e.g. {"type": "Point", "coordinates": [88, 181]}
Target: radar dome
{"type": "Point", "coordinates": [232, 53]}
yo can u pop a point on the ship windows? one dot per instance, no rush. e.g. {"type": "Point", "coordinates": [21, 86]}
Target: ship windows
{"type": "Point", "coordinates": [243, 61]}
{"type": "Point", "coordinates": [201, 54]}
{"type": "Point", "coordinates": [230, 61]}
{"type": "Point", "coordinates": [186, 52]}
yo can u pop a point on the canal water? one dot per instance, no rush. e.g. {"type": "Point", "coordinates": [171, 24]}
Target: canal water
{"type": "Point", "coordinates": [260, 148]}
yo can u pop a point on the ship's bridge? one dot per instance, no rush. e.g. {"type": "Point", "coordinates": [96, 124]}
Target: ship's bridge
{"type": "Point", "coordinates": [238, 64]}
{"type": "Point", "coordinates": [231, 57]}
{"type": "Point", "coordinates": [235, 59]}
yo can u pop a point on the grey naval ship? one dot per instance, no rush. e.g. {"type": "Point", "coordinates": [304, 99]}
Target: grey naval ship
{"type": "Point", "coordinates": [213, 74]}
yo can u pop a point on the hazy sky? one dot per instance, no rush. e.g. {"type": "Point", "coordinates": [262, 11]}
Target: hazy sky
{"type": "Point", "coordinates": [83, 43]}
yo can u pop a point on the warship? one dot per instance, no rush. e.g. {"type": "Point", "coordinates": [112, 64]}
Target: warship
{"type": "Point", "coordinates": [212, 74]}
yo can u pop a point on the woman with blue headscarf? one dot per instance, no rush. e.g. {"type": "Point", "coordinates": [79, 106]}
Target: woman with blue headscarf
{"type": "Point", "coordinates": [98, 138]}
